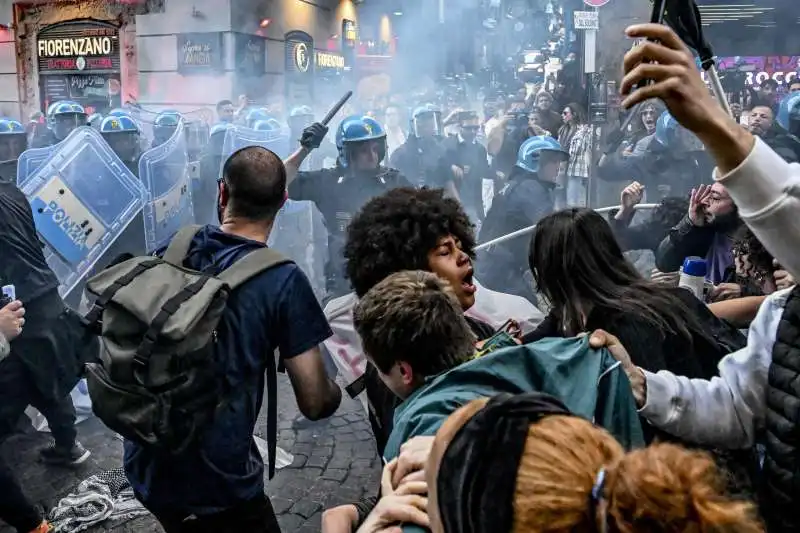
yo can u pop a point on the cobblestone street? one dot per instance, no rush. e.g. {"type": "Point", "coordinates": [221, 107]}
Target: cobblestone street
{"type": "Point", "coordinates": [335, 462]}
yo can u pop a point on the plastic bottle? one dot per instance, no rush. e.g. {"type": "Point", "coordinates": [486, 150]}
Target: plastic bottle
{"type": "Point", "coordinates": [693, 275]}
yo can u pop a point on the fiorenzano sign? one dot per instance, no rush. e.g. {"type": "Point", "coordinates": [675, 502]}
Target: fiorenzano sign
{"type": "Point", "coordinates": [75, 46]}
{"type": "Point", "coordinates": [328, 60]}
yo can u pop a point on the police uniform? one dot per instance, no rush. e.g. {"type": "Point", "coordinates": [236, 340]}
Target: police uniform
{"type": "Point", "coordinates": [420, 156]}
{"type": "Point", "coordinates": [521, 203]}
{"type": "Point", "coordinates": [339, 193]}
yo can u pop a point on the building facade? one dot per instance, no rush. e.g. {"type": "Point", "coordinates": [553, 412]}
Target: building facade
{"type": "Point", "coordinates": [178, 54]}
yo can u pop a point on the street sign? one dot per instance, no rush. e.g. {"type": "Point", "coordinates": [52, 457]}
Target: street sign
{"type": "Point", "coordinates": [586, 20]}
{"type": "Point", "coordinates": [596, 3]}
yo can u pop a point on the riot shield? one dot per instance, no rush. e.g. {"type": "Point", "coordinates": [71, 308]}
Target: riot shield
{"type": "Point", "coordinates": [165, 174]}
{"type": "Point", "coordinates": [238, 137]}
{"type": "Point", "coordinates": [32, 160]}
{"type": "Point", "coordinates": [83, 198]}
{"type": "Point", "coordinates": [299, 233]}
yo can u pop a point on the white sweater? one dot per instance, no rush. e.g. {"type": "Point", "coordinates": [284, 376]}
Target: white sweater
{"type": "Point", "coordinates": [729, 410]}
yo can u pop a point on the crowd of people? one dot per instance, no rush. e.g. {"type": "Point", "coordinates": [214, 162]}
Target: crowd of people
{"type": "Point", "coordinates": [634, 404]}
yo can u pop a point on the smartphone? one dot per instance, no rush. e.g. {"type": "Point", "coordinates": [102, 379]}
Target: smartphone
{"type": "Point", "coordinates": [656, 17]}
{"type": "Point", "coordinates": [8, 295]}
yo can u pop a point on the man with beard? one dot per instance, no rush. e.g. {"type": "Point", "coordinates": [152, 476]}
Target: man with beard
{"type": "Point", "coordinates": [706, 231]}
{"type": "Point", "coordinates": [762, 123]}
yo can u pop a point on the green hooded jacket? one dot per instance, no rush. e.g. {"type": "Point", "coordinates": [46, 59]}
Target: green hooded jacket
{"type": "Point", "coordinates": [591, 383]}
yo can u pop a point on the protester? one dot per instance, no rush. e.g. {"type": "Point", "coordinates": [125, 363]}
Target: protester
{"type": "Point", "coordinates": [525, 464]}
{"type": "Point", "coordinates": [706, 231]}
{"type": "Point", "coordinates": [758, 180]}
{"type": "Point", "coordinates": [649, 234]}
{"type": "Point", "coordinates": [219, 485]}
{"type": "Point", "coordinates": [576, 138]}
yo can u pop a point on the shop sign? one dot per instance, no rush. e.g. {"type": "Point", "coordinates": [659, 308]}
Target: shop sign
{"type": "Point", "coordinates": [200, 53]}
{"type": "Point", "coordinates": [349, 34]}
{"type": "Point", "coordinates": [328, 60]}
{"type": "Point", "coordinates": [757, 69]}
{"type": "Point", "coordinates": [299, 52]}
{"type": "Point", "coordinates": [250, 54]}
{"type": "Point", "coordinates": [299, 66]}
{"type": "Point", "coordinates": [586, 20]}
{"type": "Point", "coordinates": [78, 46]}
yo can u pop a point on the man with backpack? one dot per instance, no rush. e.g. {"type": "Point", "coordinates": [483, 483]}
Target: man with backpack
{"type": "Point", "coordinates": [188, 337]}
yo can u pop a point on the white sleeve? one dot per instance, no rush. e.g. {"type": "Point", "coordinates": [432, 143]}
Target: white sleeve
{"type": "Point", "coordinates": [728, 410]}
{"type": "Point", "coordinates": [766, 190]}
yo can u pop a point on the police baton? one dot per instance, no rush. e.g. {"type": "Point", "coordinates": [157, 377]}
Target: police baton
{"type": "Point", "coordinates": [335, 109]}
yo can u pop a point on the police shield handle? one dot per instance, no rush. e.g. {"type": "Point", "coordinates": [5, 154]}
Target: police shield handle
{"type": "Point", "coordinates": [335, 109]}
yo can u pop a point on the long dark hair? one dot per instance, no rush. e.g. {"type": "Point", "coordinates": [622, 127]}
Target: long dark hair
{"type": "Point", "coordinates": [576, 262]}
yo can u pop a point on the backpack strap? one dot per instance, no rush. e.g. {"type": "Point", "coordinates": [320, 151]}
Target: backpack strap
{"type": "Point", "coordinates": [179, 245]}
{"type": "Point", "coordinates": [251, 265]}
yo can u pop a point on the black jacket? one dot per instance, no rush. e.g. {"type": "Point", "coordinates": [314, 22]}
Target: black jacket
{"type": "Point", "coordinates": [684, 240]}
{"type": "Point", "coordinates": [780, 496]}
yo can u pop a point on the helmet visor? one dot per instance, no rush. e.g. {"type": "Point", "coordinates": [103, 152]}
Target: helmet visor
{"type": "Point", "coordinates": [427, 125]}
{"type": "Point", "coordinates": [64, 124]}
{"type": "Point", "coordinates": [365, 155]}
{"type": "Point", "coordinates": [11, 146]}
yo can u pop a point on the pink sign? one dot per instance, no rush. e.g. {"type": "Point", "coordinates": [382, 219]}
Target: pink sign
{"type": "Point", "coordinates": [596, 3]}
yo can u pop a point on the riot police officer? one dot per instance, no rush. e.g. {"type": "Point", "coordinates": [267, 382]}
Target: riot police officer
{"type": "Point", "coordinates": [95, 120]}
{"type": "Point", "coordinates": [164, 127]}
{"type": "Point", "coordinates": [670, 162]}
{"type": "Point", "coordinates": [62, 117]}
{"type": "Point", "coordinates": [122, 135]}
{"type": "Point", "coordinates": [525, 199]}
{"type": "Point", "coordinates": [204, 199]}
{"type": "Point", "coordinates": [341, 191]}
{"type": "Point", "coordinates": [13, 141]}
{"type": "Point", "coordinates": [256, 115]}
{"type": "Point", "coordinates": [420, 156]}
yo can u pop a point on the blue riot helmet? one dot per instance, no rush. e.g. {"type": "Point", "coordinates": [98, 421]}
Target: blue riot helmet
{"type": "Point", "coordinates": [164, 126]}
{"type": "Point", "coordinates": [95, 120]}
{"type": "Point", "coordinates": [122, 135]}
{"type": "Point", "coordinates": [536, 152]}
{"type": "Point", "coordinates": [671, 135]}
{"type": "Point", "coordinates": [300, 118]}
{"type": "Point", "coordinates": [426, 121]}
{"type": "Point", "coordinates": [119, 112]}
{"type": "Point", "coordinates": [789, 113]}
{"type": "Point", "coordinates": [254, 115]}
{"type": "Point", "coordinates": [266, 125]}
{"type": "Point", "coordinates": [13, 140]}
{"type": "Point", "coordinates": [66, 117]}
{"type": "Point", "coordinates": [357, 134]}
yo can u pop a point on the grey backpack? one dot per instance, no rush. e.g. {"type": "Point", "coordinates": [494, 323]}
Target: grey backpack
{"type": "Point", "coordinates": [157, 383]}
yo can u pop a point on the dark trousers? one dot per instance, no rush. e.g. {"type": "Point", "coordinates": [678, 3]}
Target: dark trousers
{"type": "Point", "coordinates": [15, 508]}
{"type": "Point", "coordinates": [17, 391]}
{"type": "Point", "coordinates": [255, 516]}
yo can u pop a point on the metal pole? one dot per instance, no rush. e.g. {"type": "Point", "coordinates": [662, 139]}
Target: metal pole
{"type": "Point", "coordinates": [529, 229]}
{"type": "Point", "coordinates": [716, 86]}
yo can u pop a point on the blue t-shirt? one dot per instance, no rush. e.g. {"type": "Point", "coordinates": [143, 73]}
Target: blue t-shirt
{"type": "Point", "coordinates": [275, 310]}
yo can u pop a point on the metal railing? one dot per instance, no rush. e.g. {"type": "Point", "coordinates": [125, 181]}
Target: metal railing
{"type": "Point", "coordinates": [529, 229]}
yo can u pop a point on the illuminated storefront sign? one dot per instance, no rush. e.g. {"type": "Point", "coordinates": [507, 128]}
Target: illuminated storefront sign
{"type": "Point", "coordinates": [328, 60]}
{"type": "Point", "coordinates": [757, 69]}
{"type": "Point", "coordinates": [78, 46]}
